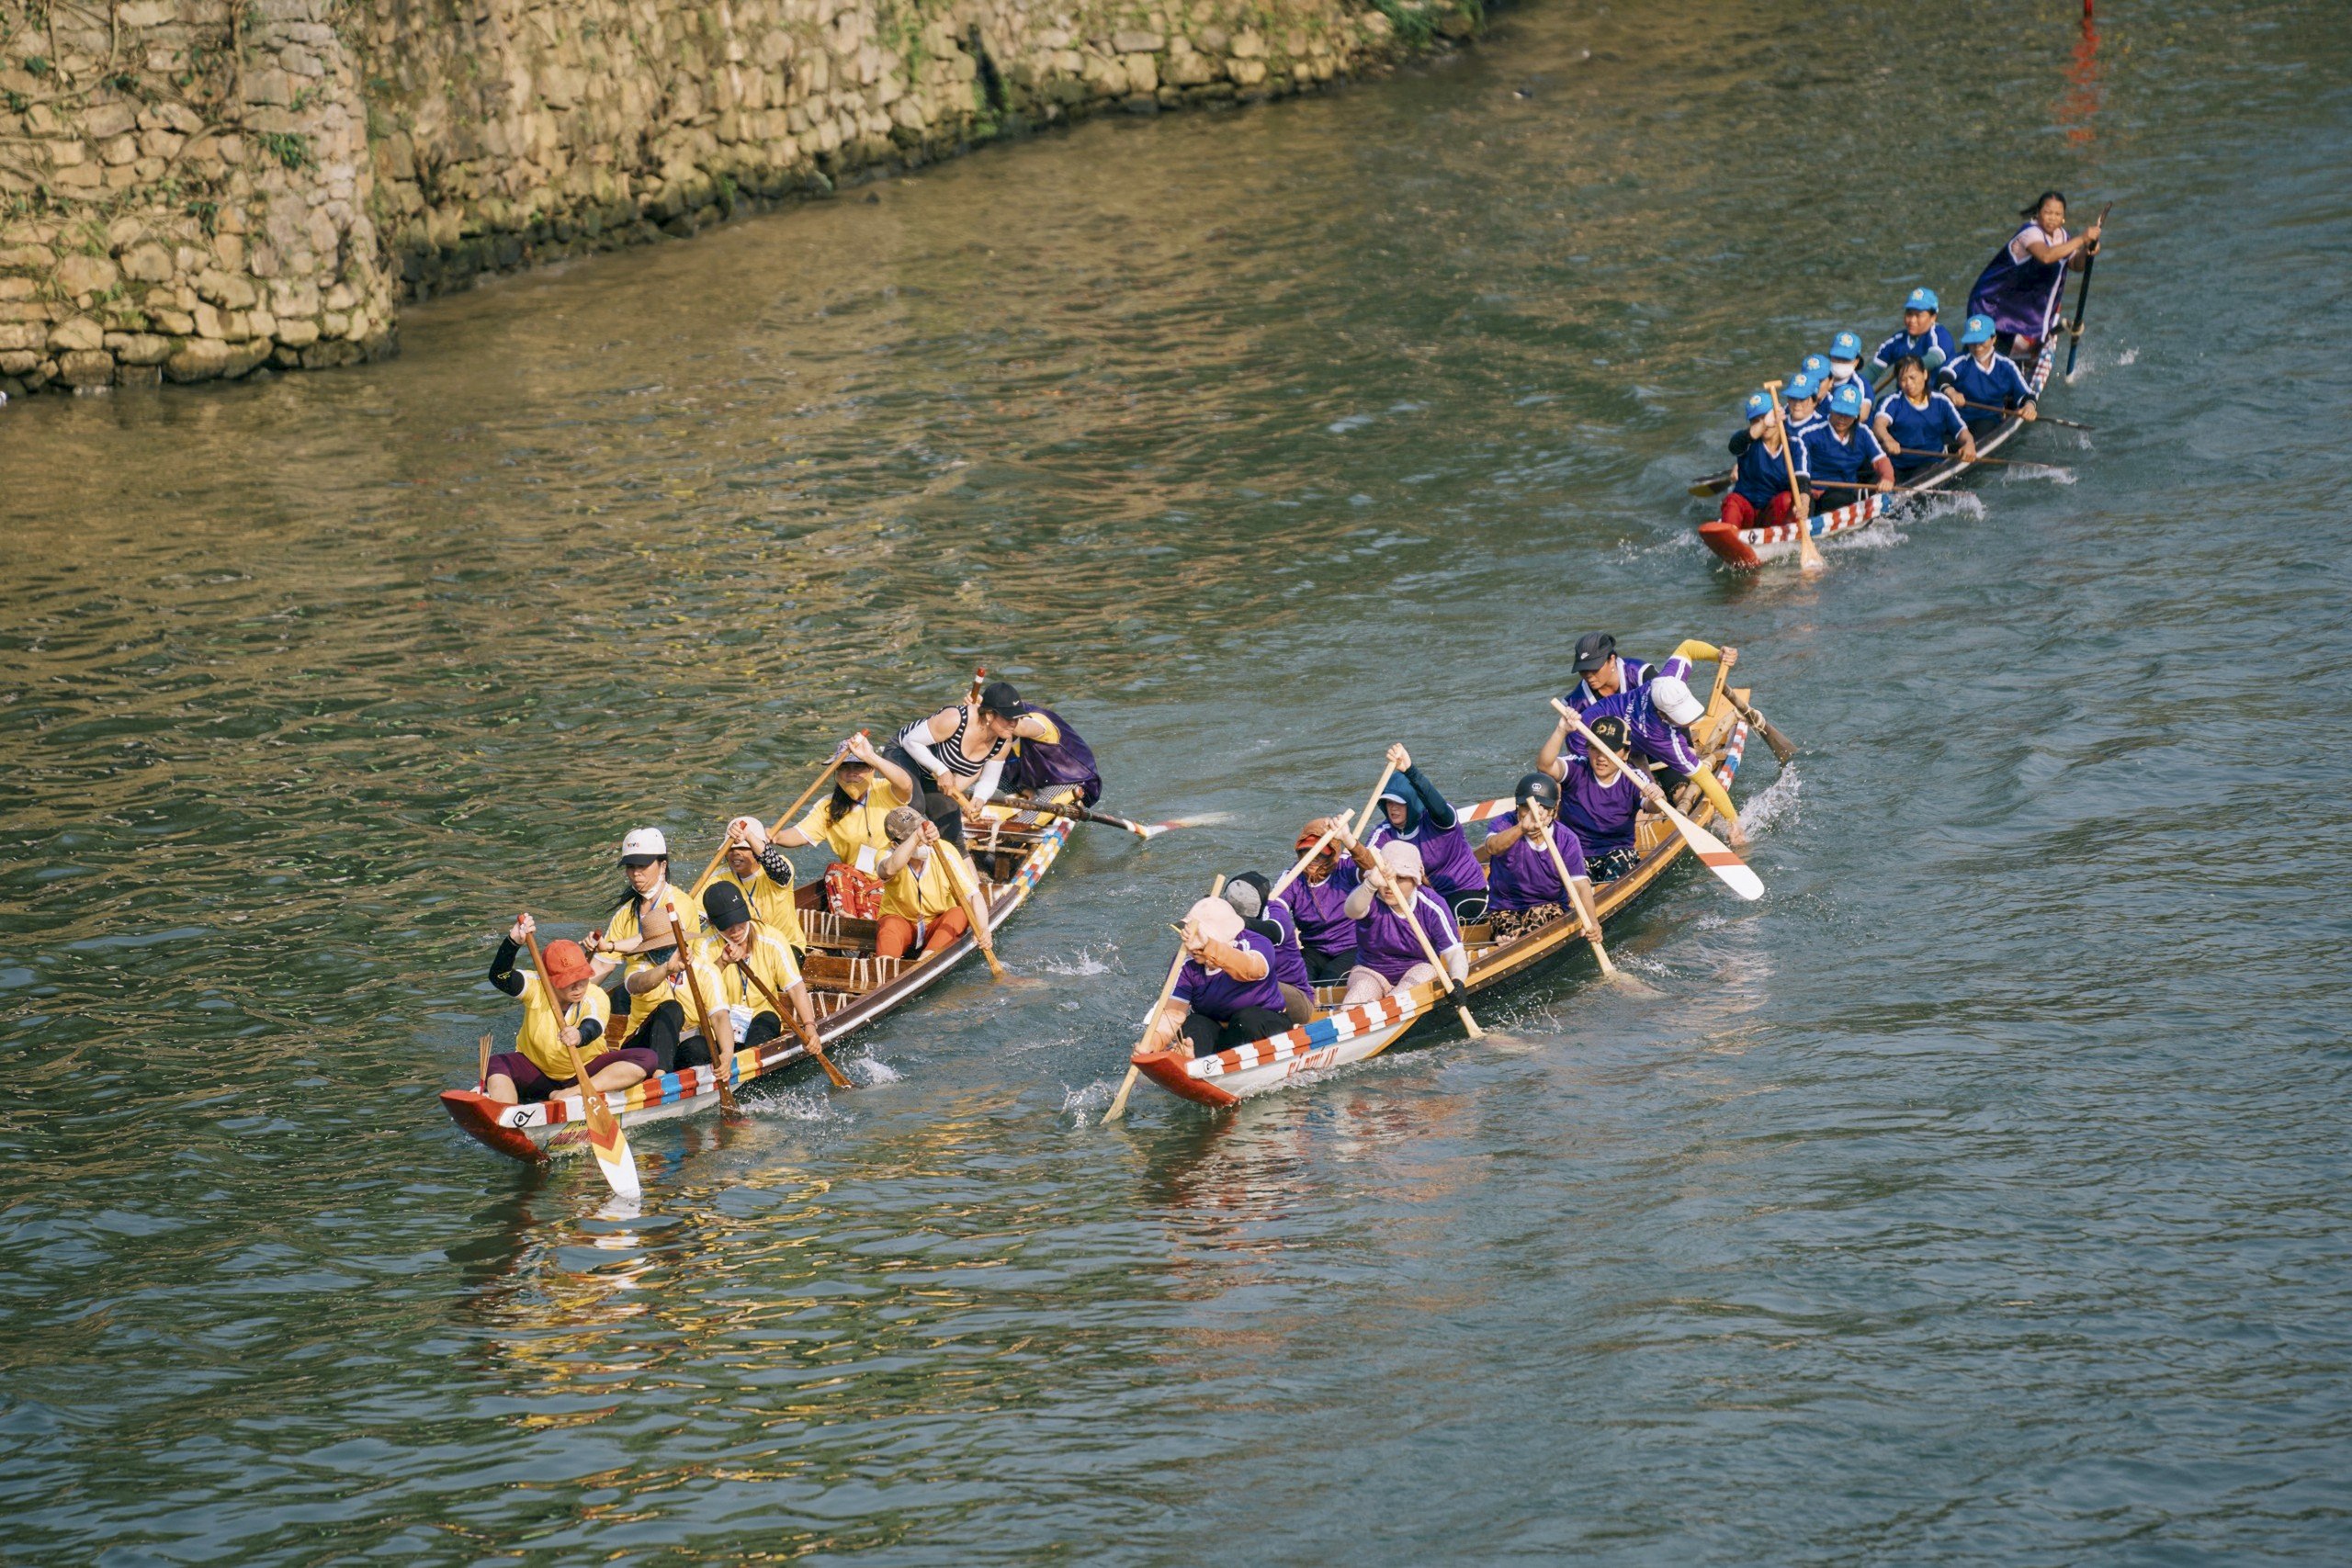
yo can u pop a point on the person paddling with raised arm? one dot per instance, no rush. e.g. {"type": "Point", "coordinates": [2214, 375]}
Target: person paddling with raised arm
{"type": "Point", "coordinates": [1389, 957]}
{"type": "Point", "coordinates": [1658, 720]}
{"type": "Point", "coordinates": [1414, 813]}
{"type": "Point", "coordinates": [921, 895]}
{"type": "Point", "coordinates": [2018, 289]}
{"type": "Point", "coordinates": [1845, 455]}
{"type": "Point", "coordinates": [1919, 428]}
{"type": "Point", "coordinates": [1759, 496]}
{"type": "Point", "coordinates": [868, 787]}
{"type": "Point", "coordinates": [1923, 337]}
{"type": "Point", "coordinates": [637, 941]}
{"type": "Point", "coordinates": [1318, 899]}
{"type": "Point", "coordinates": [576, 1014]}
{"type": "Point", "coordinates": [768, 891]}
{"type": "Point", "coordinates": [1600, 802]}
{"type": "Point", "coordinates": [1987, 384]}
{"type": "Point", "coordinates": [958, 755]}
{"type": "Point", "coordinates": [1225, 994]}
{"type": "Point", "coordinates": [753, 969]}
{"type": "Point", "coordinates": [1523, 879]}
{"type": "Point", "coordinates": [1687, 652]}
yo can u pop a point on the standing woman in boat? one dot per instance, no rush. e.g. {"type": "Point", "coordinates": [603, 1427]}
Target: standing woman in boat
{"type": "Point", "coordinates": [655, 1018]}
{"type": "Point", "coordinates": [1917, 427]}
{"type": "Point", "coordinates": [1317, 900]}
{"type": "Point", "coordinates": [574, 1014]}
{"type": "Point", "coordinates": [1414, 813]}
{"type": "Point", "coordinates": [2019, 287]}
{"type": "Point", "coordinates": [958, 755]}
{"type": "Point", "coordinates": [868, 787]}
{"type": "Point", "coordinates": [1048, 755]}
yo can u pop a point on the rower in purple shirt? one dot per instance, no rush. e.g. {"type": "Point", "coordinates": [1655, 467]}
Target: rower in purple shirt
{"type": "Point", "coordinates": [1318, 899]}
{"type": "Point", "coordinates": [1414, 813]}
{"type": "Point", "coordinates": [1226, 994]}
{"type": "Point", "coordinates": [1657, 724]}
{"type": "Point", "coordinates": [1602, 671]}
{"type": "Point", "coordinates": [1599, 802]}
{"type": "Point", "coordinates": [1523, 887]}
{"type": "Point", "coordinates": [1388, 957]}
{"type": "Point", "coordinates": [1272, 918]}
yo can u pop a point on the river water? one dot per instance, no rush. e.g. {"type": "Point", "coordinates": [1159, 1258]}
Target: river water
{"type": "Point", "coordinates": [1977, 1196]}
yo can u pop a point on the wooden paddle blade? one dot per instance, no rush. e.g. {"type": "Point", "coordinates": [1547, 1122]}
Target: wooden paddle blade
{"type": "Point", "coordinates": [1717, 857]}
{"type": "Point", "coordinates": [610, 1145]}
{"type": "Point", "coordinates": [839, 1079]}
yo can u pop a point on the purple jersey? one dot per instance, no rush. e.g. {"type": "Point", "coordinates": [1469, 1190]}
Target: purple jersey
{"type": "Point", "coordinates": [1290, 963]}
{"type": "Point", "coordinates": [1651, 734]}
{"type": "Point", "coordinates": [1218, 995]}
{"type": "Point", "coordinates": [1446, 856]}
{"type": "Point", "coordinates": [1385, 944]}
{"type": "Point", "coordinates": [1636, 673]}
{"type": "Point", "coordinates": [1524, 876]}
{"type": "Point", "coordinates": [1316, 908]}
{"type": "Point", "coordinates": [2019, 293]}
{"type": "Point", "coordinates": [1601, 815]}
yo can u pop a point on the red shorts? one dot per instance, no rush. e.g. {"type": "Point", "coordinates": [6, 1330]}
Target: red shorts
{"type": "Point", "coordinates": [895, 933]}
{"type": "Point", "coordinates": [1739, 511]}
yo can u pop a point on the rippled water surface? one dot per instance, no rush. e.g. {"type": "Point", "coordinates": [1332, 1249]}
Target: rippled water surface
{"type": "Point", "coordinates": [1977, 1196]}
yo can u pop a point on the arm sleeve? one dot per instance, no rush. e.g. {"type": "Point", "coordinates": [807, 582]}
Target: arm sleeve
{"type": "Point", "coordinates": [1740, 441]}
{"type": "Point", "coordinates": [1359, 902]}
{"type": "Point", "coordinates": [1456, 960]}
{"type": "Point", "coordinates": [1717, 796]}
{"type": "Point", "coordinates": [501, 968]}
{"type": "Point", "coordinates": [1434, 809]}
{"type": "Point", "coordinates": [987, 783]}
{"type": "Point", "coordinates": [590, 1031]}
{"type": "Point", "coordinates": [772, 860]}
{"type": "Point", "coordinates": [1697, 653]}
{"type": "Point", "coordinates": [915, 742]}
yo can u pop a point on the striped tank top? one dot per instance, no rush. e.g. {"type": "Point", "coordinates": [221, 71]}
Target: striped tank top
{"type": "Point", "coordinates": [951, 751]}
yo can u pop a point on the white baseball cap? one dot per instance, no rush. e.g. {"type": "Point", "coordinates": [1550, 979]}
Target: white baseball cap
{"type": "Point", "coordinates": [1403, 859]}
{"type": "Point", "coordinates": [1673, 699]}
{"type": "Point", "coordinates": [644, 846]}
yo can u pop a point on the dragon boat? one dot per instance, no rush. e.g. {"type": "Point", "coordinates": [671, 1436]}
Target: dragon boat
{"type": "Point", "coordinates": [1341, 1037]}
{"type": "Point", "coordinates": [849, 983]}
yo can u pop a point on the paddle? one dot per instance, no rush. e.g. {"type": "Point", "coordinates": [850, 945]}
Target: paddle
{"type": "Point", "coordinates": [840, 754]}
{"type": "Point", "coordinates": [482, 1079]}
{"type": "Point", "coordinates": [606, 1139]}
{"type": "Point", "coordinates": [2038, 417]}
{"type": "Point", "coordinates": [1710, 850]}
{"type": "Point", "coordinates": [1714, 484]}
{"type": "Point", "coordinates": [722, 1065]}
{"type": "Point", "coordinates": [1783, 746]}
{"type": "Point", "coordinates": [1076, 813]}
{"type": "Point", "coordinates": [1808, 553]}
{"type": "Point", "coordinates": [1385, 883]}
{"type": "Point", "coordinates": [1371, 812]}
{"type": "Point", "coordinates": [967, 890]}
{"type": "Point", "coordinates": [1175, 968]}
{"type": "Point", "coordinates": [792, 1016]}
{"type": "Point", "coordinates": [2083, 294]}
{"type": "Point", "coordinates": [1588, 917]}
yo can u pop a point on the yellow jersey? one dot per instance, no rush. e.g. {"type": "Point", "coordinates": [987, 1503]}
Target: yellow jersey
{"type": "Point", "coordinates": [771, 903]}
{"type": "Point", "coordinates": [537, 1037]}
{"type": "Point", "coordinates": [623, 927]}
{"type": "Point", "coordinates": [933, 892]}
{"type": "Point", "coordinates": [857, 839]}
{"type": "Point", "coordinates": [769, 959]}
{"type": "Point", "coordinates": [706, 973]}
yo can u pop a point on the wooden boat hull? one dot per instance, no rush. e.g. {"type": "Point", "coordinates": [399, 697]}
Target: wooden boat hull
{"type": "Point", "coordinates": [534, 1132]}
{"type": "Point", "coordinates": [1358, 1033]}
{"type": "Point", "coordinates": [1750, 547]}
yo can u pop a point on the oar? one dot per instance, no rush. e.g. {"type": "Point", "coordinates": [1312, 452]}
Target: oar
{"type": "Point", "coordinates": [1808, 553]}
{"type": "Point", "coordinates": [1370, 814]}
{"type": "Point", "coordinates": [1076, 813]}
{"type": "Point", "coordinates": [2083, 297]}
{"type": "Point", "coordinates": [1714, 484]}
{"type": "Point", "coordinates": [1339, 824]}
{"type": "Point", "coordinates": [807, 1035]}
{"type": "Point", "coordinates": [1710, 850]}
{"type": "Point", "coordinates": [1175, 968]}
{"type": "Point", "coordinates": [1405, 912]}
{"type": "Point", "coordinates": [606, 1139]}
{"type": "Point", "coordinates": [722, 1066]}
{"type": "Point", "coordinates": [2038, 417]}
{"type": "Point", "coordinates": [1783, 746]}
{"type": "Point", "coordinates": [1569, 900]}
{"type": "Point", "coordinates": [969, 893]}
{"type": "Point", "coordinates": [482, 1079]}
{"type": "Point", "coordinates": [840, 754]}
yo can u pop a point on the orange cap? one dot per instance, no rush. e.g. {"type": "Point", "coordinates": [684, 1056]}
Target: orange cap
{"type": "Point", "coordinates": [565, 964]}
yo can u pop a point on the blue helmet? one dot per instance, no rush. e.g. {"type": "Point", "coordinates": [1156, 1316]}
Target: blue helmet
{"type": "Point", "coordinates": [1758, 404]}
{"type": "Point", "coordinates": [1922, 300]}
{"type": "Point", "coordinates": [1845, 345]}
{"type": "Point", "coordinates": [1979, 330]}
{"type": "Point", "coordinates": [1847, 399]}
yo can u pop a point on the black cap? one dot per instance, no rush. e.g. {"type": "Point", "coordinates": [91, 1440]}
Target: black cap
{"type": "Point", "coordinates": [1611, 729]}
{"type": "Point", "coordinates": [999, 697]}
{"type": "Point", "coordinates": [1541, 788]}
{"type": "Point", "coordinates": [1593, 650]}
{"type": "Point", "coordinates": [723, 902]}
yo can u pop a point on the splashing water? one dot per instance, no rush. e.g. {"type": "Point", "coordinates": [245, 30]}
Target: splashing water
{"type": "Point", "coordinates": [1776, 807]}
{"type": "Point", "coordinates": [1085, 963]}
{"type": "Point", "coordinates": [1077, 1103]}
{"type": "Point", "coordinates": [2040, 471]}
{"type": "Point", "coordinates": [2129, 357]}
{"type": "Point", "coordinates": [1882, 535]}
{"type": "Point", "coordinates": [871, 1070]}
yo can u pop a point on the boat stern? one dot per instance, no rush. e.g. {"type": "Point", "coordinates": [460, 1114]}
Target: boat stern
{"type": "Point", "coordinates": [486, 1120]}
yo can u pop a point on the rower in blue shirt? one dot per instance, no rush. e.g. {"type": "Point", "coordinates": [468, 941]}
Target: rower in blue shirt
{"type": "Point", "coordinates": [1985, 382]}
{"type": "Point", "coordinates": [1759, 494]}
{"type": "Point", "coordinates": [1917, 427]}
{"type": "Point", "coordinates": [1844, 453]}
{"type": "Point", "coordinates": [1922, 337]}
{"type": "Point", "coordinates": [1801, 403]}
{"type": "Point", "coordinates": [1845, 367]}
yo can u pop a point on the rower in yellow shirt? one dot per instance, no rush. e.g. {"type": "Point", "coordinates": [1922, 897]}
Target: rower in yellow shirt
{"type": "Point", "coordinates": [921, 890]}
{"type": "Point", "coordinates": [767, 889]}
{"type": "Point", "coordinates": [749, 968]}
{"type": "Point", "coordinates": [868, 787]}
{"type": "Point", "coordinates": [576, 1014]}
{"type": "Point", "coordinates": [656, 1017]}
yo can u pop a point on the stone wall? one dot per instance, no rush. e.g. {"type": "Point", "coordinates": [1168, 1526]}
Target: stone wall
{"type": "Point", "coordinates": [193, 188]}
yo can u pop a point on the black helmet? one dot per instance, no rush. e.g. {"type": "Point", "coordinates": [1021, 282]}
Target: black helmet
{"type": "Point", "coordinates": [1540, 789]}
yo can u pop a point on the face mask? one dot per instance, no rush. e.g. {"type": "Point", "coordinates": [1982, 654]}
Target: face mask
{"type": "Point", "coordinates": [1840, 370]}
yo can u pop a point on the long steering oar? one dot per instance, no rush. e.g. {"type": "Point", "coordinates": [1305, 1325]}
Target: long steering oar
{"type": "Point", "coordinates": [1710, 850]}
{"type": "Point", "coordinates": [606, 1139]}
{"type": "Point", "coordinates": [2083, 296]}
{"type": "Point", "coordinates": [1405, 912]}
{"type": "Point", "coordinates": [1808, 553]}
{"type": "Point", "coordinates": [1783, 746]}
{"type": "Point", "coordinates": [807, 1033]}
{"type": "Point", "coordinates": [1175, 968]}
{"type": "Point", "coordinates": [840, 754]}
{"type": "Point", "coordinates": [722, 1062]}
{"type": "Point", "coordinates": [1147, 832]}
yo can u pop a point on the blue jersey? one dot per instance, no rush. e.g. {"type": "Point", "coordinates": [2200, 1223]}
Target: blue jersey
{"type": "Point", "coordinates": [1922, 433]}
{"type": "Point", "coordinates": [1901, 343]}
{"type": "Point", "coordinates": [1811, 421]}
{"type": "Point", "coordinates": [1853, 459]}
{"type": "Point", "coordinates": [2001, 386]}
{"type": "Point", "coordinates": [1761, 475]}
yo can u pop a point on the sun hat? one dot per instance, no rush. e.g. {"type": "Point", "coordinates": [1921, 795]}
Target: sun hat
{"type": "Point", "coordinates": [1978, 329]}
{"type": "Point", "coordinates": [1214, 918]}
{"type": "Point", "coordinates": [1847, 399]}
{"type": "Point", "coordinates": [1845, 345]}
{"type": "Point", "coordinates": [1402, 859]}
